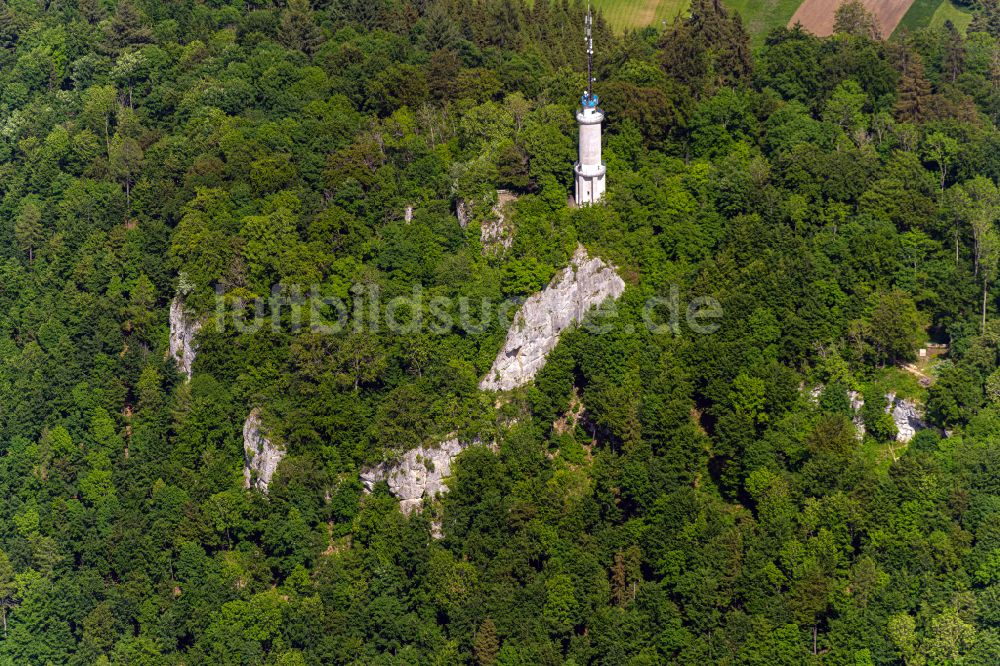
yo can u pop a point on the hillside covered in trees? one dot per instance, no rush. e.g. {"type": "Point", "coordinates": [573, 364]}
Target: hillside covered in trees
{"type": "Point", "coordinates": [712, 504]}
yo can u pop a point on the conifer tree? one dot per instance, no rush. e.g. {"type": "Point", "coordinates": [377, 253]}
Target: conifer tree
{"type": "Point", "coordinates": [8, 589]}
{"type": "Point", "coordinates": [28, 228]}
{"type": "Point", "coordinates": [440, 29]}
{"type": "Point", "coordinates": [8, 27]}
{"type": "Point", "coordinates": [708, 49]}
{"type": "Point", "coordinates": [954, 53]}
{"type": "Point", "coordinates": [298, 28]}
{"type": "Point", "coordinates": [91, 10]}
{"type": "Point", "coordinates": [913, 103]}
{"type": "Point", "coordinates": [127, 27]}
{"type": "Point", "coordinates": [987, 18]}
{"type": "Point", "coordinates": [619, 580]}
{"type": "Point", "coordinates": [487, 644]}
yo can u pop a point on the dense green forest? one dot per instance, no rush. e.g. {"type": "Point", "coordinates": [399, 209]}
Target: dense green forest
{"type": "Point", "coordinates": [837, 197]}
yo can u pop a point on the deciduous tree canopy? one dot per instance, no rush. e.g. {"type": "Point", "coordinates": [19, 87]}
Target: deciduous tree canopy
{"type": "Point", "coordinates": [655, 496]}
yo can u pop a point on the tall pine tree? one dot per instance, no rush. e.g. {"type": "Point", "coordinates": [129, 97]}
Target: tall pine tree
{"type": "Point", "coordinates": [913, 103]}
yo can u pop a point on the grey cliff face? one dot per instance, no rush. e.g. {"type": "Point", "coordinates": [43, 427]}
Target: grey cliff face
{"type": "Point", "coordinates": [260, 455]}
{"type": "Point", "coordinates": [496, 233]}
{"type": "Point", "coordinates": [419, 474]}
{"type": "Point", "coordinates": [906, 415]}
{"type": "Point", "coordinates": [857, 402]}
{"type": "Point", "coordinates": [183, 330]}
{"type": "Point", "coordinates": [584, 284]}
{"type": "Point", "coordinates": [463, 211]}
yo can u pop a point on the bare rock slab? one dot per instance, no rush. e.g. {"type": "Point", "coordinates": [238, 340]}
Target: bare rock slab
{"type": "Point", "coordinates": [419, 474]}
{"type": "Point", "coordinates": [584, 284]}
{"type": "Point", "coordinates": [906, 414]}
{"type": "Point", "coordinates": [183, 329]}
{"type": "Point", "coordinates": [496, 233]}
{"type": "Point", "coordinates": [261, 455]}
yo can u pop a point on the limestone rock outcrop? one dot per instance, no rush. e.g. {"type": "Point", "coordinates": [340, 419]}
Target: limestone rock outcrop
{"type": "Point", "coordinates": [261, 455]}
{"type": "Point", "coordinates": [463, 211]}
{"type": "Point", "coordinates": [183, 329]}
{"type": "Point", "coordinates": [585, 283]}
{"type": "Point", "coordinates": [857, 402]}
{"type": "Point", "coordinates": [418, 474]}
{"type": "Point", "coordinates": [906, 414]}
{"type": "Point", "coordinates": [496, 233]}
{"type": "Point", "coordinates": [907, 417]}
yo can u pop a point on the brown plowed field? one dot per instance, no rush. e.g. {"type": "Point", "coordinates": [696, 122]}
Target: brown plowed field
{"type": "Point", "coordinates": [816, 16]}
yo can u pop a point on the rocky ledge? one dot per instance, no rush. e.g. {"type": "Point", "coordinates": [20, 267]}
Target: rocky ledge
{"type": "Point", "coordinates": [907, 417]}
{"type": "Point", "coordinates": [584, 284]}
{"type": "Point", "coordinates": [906, 414]}
{"type": "Point", "coordinates": [183, 329]}
{"type": "Point", "coordinates": [418, 474]}
{"type": "Point", "coordinates": [260, 454]}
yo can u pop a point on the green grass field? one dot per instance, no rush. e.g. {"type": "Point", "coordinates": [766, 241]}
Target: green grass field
{"type": "Point", "coordinates": [920, 14]}
{"type": "Point", "coordinates": [628, 14]}
{"type": "Point", "coordinates": [949, 12]}
{"type": "Point", "coordinates": [760, 16]}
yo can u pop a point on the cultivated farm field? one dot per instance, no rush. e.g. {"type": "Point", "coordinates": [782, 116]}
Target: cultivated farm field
{"type": "Point", "coordinates": [761, 16]}
{"type": "Point", "coordinates": [816, 16]}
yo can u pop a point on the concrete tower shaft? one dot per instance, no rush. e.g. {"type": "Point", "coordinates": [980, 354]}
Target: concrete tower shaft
{"type": "Point", "coordinates": [590, 121]}
{"type": "Point", "coordinates": [589, 170]}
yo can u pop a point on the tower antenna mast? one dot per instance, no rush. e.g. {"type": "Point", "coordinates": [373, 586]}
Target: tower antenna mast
{"type": "Point", "coordinates": [588, 23]}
